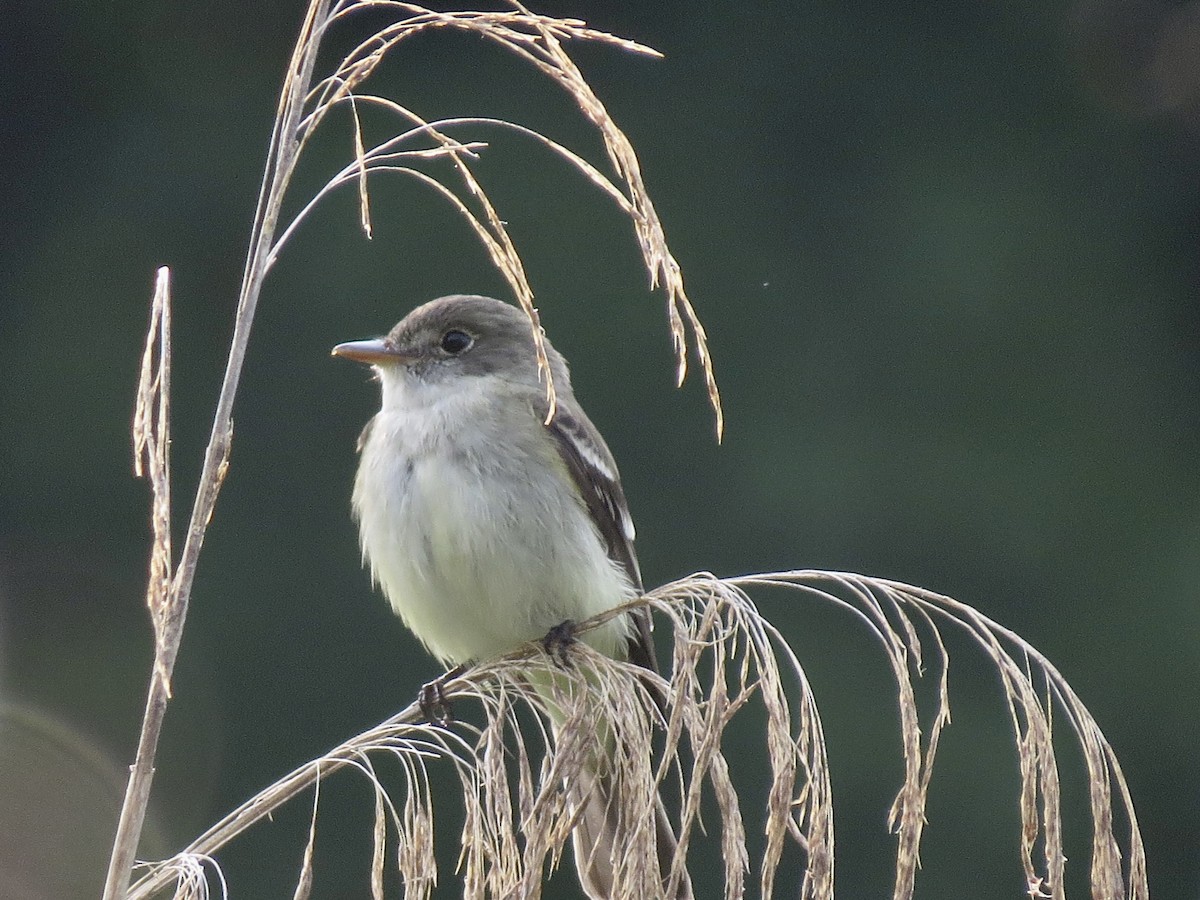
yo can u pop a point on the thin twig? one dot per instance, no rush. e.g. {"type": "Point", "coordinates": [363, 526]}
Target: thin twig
{"type": "Point", "coordinates": [151, 451]}
{"type": "Point", "coordinates": [170, 612]}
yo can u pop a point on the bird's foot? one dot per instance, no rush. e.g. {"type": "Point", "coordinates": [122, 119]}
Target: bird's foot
{"type": "Point", "coordinates": [435, 705]}
{"type": "Point", "coordinates": [558, 641]}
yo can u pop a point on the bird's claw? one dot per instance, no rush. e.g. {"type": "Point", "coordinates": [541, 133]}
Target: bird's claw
{"type": "Point", "coordinates": [558, 641]}
{"type": "Point", "coordinates": [432, 699]}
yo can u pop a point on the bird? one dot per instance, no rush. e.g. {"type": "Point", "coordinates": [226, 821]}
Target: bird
{"type": "Point", "coordinates": [489, 521]}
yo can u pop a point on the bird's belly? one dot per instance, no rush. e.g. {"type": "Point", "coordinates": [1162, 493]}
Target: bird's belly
{"type": "Point", "coordinates": [476, 564]}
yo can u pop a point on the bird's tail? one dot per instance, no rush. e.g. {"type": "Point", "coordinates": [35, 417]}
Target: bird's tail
{"type": "Point", "coordinates": [622, 849]}
{"type": "Point", "coordinates": [603, 844]}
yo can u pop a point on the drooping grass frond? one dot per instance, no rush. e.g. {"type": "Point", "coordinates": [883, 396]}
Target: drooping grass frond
{"type": "Point", "coordinates": [898, 614]}
{"type": "Point", "coordinates": [540, 41]}
{"type": "Point", "coordinates": [670, 737]}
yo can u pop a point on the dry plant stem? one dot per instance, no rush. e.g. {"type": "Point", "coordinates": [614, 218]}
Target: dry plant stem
{"type": "Point", "coordinates": [716, 630]}
{"type": "Point", "coordinates": [170, 617]}
{"type": "Point", "coordinates": [151, 454]}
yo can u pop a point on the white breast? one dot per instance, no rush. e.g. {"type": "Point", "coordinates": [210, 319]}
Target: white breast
{"type": "Point", "coordinates": [474, 530]}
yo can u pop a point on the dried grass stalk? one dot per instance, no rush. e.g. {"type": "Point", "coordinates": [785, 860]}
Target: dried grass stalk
{"type": "Point", "coordinates": [725, 658]}
{"type": "Point", "coordinates": [152, 460]}
{"type": "Point", "coordinates": [152, 456]}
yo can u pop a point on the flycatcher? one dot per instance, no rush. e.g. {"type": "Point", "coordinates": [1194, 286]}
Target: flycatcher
{"type": "Point", "coordinates": [486, 527]}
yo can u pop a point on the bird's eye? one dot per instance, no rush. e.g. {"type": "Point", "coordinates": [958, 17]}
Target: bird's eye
{"type": "Point", "coordinates": [455, 341]}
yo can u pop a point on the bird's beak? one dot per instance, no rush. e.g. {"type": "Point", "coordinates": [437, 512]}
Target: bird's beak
{"type": "Point", "coordinates": [377, 352]}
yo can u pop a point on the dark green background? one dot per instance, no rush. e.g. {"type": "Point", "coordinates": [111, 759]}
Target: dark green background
{"type": "Point", "coordinates": [947, 256]}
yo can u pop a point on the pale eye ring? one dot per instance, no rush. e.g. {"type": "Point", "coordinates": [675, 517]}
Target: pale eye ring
{"type": "Point", "coordinates": [455, 341]}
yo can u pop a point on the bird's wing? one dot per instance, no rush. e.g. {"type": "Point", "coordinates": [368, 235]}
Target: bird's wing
{"type": "Point", "coordinates": [591, 465]}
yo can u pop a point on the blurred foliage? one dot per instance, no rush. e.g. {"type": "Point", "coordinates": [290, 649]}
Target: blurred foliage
{"type": "Point", "coordinates": [947, 257]}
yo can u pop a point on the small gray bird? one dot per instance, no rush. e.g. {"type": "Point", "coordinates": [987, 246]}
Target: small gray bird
{"type": "Point", "coordinates": [486, 527]}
